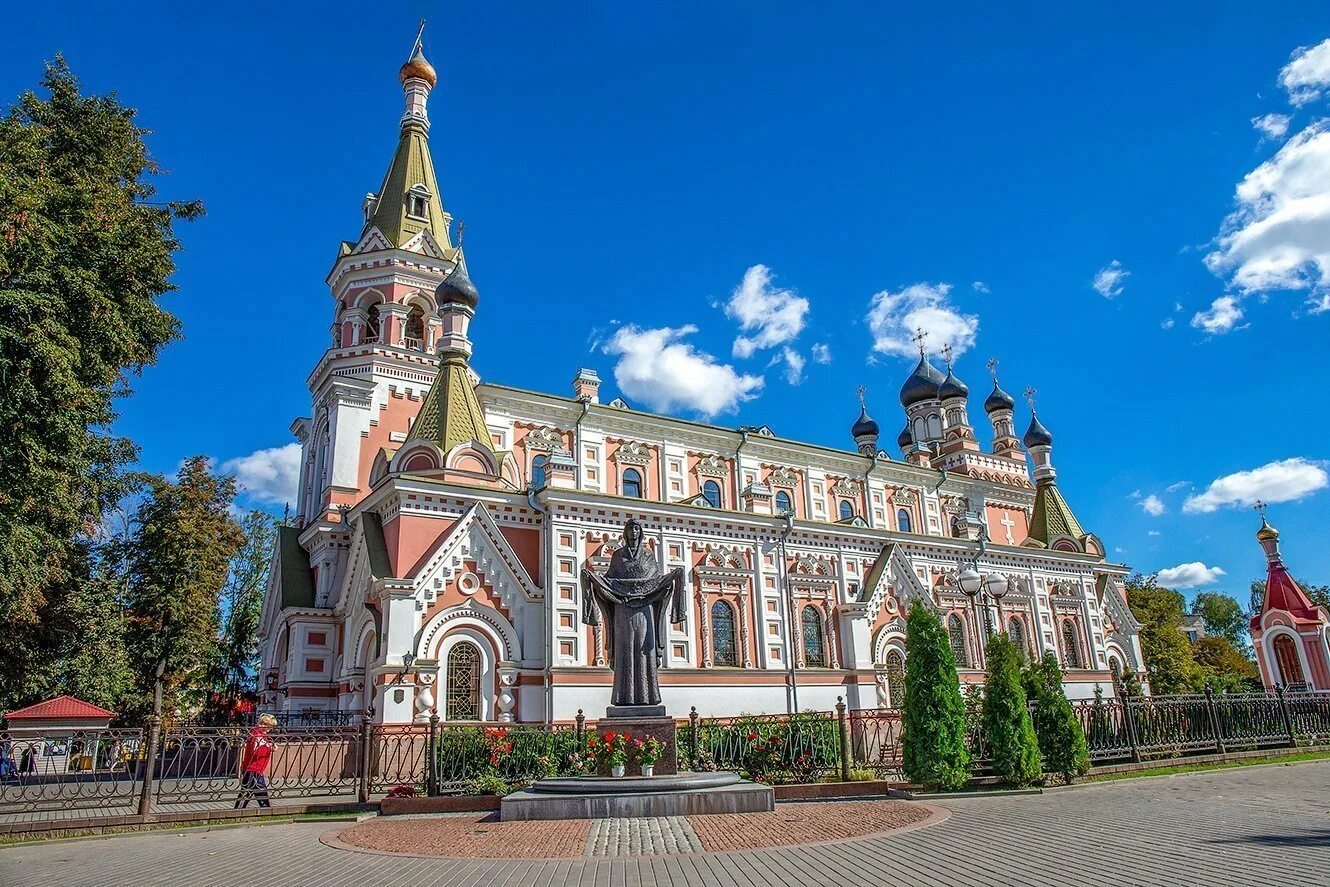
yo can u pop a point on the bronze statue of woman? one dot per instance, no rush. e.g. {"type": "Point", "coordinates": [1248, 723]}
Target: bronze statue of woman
{"type": "Point", "coordinates": [638, 603]}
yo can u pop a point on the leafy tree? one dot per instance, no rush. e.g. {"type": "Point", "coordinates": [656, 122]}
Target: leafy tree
{"type": "Point", "coordinates": [933, 720]}
{"type": "Point", "coordinates": [1169, 659]}
{"type": "Point", "coordinates": [177, 560]}
{"type": "Point", "coordinates": [1319, 594]}
{"type": "Point", "coordinates": [85, 256]}
{"type": "Point", "coordinates": [1226, 667]}
{"type": "Point", "coordinates": [1223, 617]}
{"type": "Point", "coordinates": [1061, 739]}
{"type": "Point", "coordinates": [235, 668]}
{"type": "Point", "coordinates": [1011, 737]}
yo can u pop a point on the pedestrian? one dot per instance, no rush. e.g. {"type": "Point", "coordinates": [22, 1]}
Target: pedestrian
{"type": "Point", "coordinates": [254, 764]}
{"type": "Point", "coordinates": [28, 761]}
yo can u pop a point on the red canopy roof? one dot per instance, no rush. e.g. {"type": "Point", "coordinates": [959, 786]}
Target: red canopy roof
{"type": "Point", "coordinates": [60, 708]}
{"type": "Point", "coordinates": [1282, 593]}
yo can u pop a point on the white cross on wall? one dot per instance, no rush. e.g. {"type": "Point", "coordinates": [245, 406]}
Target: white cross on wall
{"type": "Point", "coordinates": [1008, 523]}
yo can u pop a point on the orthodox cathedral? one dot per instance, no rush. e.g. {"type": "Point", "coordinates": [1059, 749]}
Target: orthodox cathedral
{"type": "Point", "coordinates": [443, 521]}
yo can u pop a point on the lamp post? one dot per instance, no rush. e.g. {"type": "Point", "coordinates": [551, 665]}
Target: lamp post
{"type": "Point", "coordinates": [787, 517]}
{"type": "Point", "coordinates": [981, 588]}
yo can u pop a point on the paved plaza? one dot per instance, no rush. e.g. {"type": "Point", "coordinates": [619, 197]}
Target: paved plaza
{"type": "Point", "coordinates": [1258, 826]}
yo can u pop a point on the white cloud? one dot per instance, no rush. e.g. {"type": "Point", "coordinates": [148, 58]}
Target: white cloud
{"type": "Point", "coordinates": [1167, 324]}
{"type": "Point", "coordinates": [1307, 75]}
{"type": "Point", "coordinates": [1319, 304]}
{"type": "Point", "coordinates": [658, 368]}
{"type": "Point", "coordinates": [1282, 481]}
{"type": "Point", "coordinates": [821, 353]}
{"type": "Point", "coordinates": [1177, 485]}
{"type": "Point", "coordinates": [1153, 533]}
{"type": "Point", "coordinates": [1221, 317]}
{"type": "Point", "coordinates": [1278, 237]}
{"type": "Point", "coordinates": [979, 287]}
{"type": "Point", "coordinates": [1189, 575]}
{"type": "Point", "coordinates": [271, 475]}
{"type": "Point", "coordinates": [1110, 280]}
{"type": "Point", "coordinates": [1272, 126]}
{"type": "Point", "coordinates": [893, 319]}
{"type": "Point", "coordinates": [774, 315]}
{"type": "Point", "coordinates": [794, 365]}
{"type": "Point", "coordinates": [1153, 505]}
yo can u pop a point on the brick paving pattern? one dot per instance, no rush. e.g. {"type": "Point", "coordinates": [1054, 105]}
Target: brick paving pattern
{"type": "Point", "coordinates": [805, 823]}
{"type": "Point", "coordinates": [470, 835]}
{"type": "Point", "coordinates": [1252, 826]}
{"type": "Point", "coordinates": [641, 836]}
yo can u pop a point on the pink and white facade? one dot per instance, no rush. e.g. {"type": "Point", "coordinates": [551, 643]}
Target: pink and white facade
{"type": "Point", "coordinates": [443, 521]}
{"type": "Point", "coordinates": [1291, 634]}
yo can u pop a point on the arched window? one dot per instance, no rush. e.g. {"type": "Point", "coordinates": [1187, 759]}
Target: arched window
{"type": "Point", "coordinates": [956, 635]}
{"type": "Point", "coordinates": [815, 653]}
{"type": "Point", "coordinates": [463, 692]}
{"type": "Point", "coordinates": [896, 678]}
{"type": "Point", "coordinates": [1071, 650]}
{"type": "Point", "coordinates": [420, 462]}
{"type": "Point", "coordinates": [1016, 631]}
{"type": "Point", "coordinates": [632, 483]}
{"type": "Point", "coordinates": [538, 473]}
{"type": "Point", "coordinates": [711, 492]}
{"type": "Point", "coordinates": [415, 329]}
{"type": "Point", "coordinates": [724, 639]}
{"type": "Point", "coordinates": [903, 520]}
{"type": "Point", "coordinates": [372, 323]}
{"type": "Point", "coordinates": [1115, 667]}
{"type": "Point", "coordinates": [783, 503]}
{"type": "Point", "coordinates": [1286, 657]}
{"type": "Point", "coordinates": [846, 509]}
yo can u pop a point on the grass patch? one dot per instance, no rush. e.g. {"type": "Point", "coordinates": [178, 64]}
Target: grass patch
{"type": "Point", "coordinates": [1175, 769]}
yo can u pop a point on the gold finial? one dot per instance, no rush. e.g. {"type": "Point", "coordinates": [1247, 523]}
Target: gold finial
{"type": "Point", "coordinates": [1030, 392]}
{"type": "Point", "coordinates": [417, 67]}
{"type": "Point", "coordinates": [1266, 532]}
{"type": "Point", "coordinates": [919, 337]}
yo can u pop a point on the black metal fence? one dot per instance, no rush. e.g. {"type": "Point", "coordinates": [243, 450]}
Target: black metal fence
{"type": "Point", "coordinates": [126, 771]}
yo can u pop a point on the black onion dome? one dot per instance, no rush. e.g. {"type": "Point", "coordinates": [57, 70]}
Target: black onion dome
{"type": "Point", "coordinates": [998, 400]}
{"type": "Point", "coordinates": [864, 425]}
{"type": "Point", "coordinates": [457, 287]}
{"type": "Point", "coordinates": [952, 387]}
{"type": "Point", "coordinates": [921, 385]}
{"type": "Point", "coordinates": [1037, 435]}
{"type": "Point", "coordinates": [905, 438]}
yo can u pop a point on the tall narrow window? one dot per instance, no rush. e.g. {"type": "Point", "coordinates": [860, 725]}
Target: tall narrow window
{"type": "Point", "coordinates": [724, 641]}
{"type": "Point", "coordinates": [538, 471]}
{"type": "Point", "coordinates": [1016, 631]}
{"type": "Point", "coordinates": [1071, 650]}
{"type": "Point", "coordinates": [896, 678]}
{"type": "Point", "coordinates": [846, 509]}
{"type": "Point", "coordinates": [783, 503]}
{"type": "Point", "coordinates": [815, 653]}
{"type": "Point", "coordinates": [463, 699]}
{"type": "Point", "coordinates": [711, 492]}
{"type": "Point", "coordinates": [956, 635]}
{"type": "Point", "coordinates": [415, 329]}
{"type": "Point", "coordinates": [903, 520]}
{"type": "Point", "coordinates": [632, 483]}
{"type": "Point", "coordinates": [372, 323]}
{"type": "Point", "coordinates": [1286, 657]}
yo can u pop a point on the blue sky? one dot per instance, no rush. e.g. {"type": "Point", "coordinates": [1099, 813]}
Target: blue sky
{"type": "Point", "coordinates": [974, 168]}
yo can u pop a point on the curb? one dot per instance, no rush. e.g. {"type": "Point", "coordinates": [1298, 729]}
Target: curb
{"type": "Point", "coordinates": [994, 793]}
{"type": "Point", "coordinates": [36, 837]}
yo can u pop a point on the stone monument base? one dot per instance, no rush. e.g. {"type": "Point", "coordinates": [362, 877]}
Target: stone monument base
{"type": "Point", "coordinates": [638, 727]}
{"type": "Point", "coordinates": [595, 797]}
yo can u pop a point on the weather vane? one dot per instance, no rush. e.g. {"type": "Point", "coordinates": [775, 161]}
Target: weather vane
{"type": "Point", "coordinates": [919, 337]}
{"type": "Point", "coordinates": [1030, 392]}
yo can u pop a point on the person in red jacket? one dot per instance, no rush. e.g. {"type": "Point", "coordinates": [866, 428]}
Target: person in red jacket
{"type": "Point", "coordinates": [254, 764]}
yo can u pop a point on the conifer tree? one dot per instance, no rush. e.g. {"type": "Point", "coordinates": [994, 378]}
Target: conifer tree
{"type": "Point", "coordinates": [933, 721]}
{"type": "Point", "coordinates": [1061, 739]}
{"type": "Point", "coordinates": [1007, 724]}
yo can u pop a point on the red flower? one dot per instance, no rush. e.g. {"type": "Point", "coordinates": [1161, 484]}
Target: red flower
{"type": "Point", "coordinates": [752, 737]}
{"type": "Point", "coordinates": [609, 737]}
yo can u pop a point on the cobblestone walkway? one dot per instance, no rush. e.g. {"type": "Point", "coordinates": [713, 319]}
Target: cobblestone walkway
{"type": "Point", "coordinates": [1254, 826]}
{"type": "Point", "coordinates": [641, 837]}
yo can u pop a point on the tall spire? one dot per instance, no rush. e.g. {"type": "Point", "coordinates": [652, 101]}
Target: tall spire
{"type": "Point", "coordinates": [409, 200]}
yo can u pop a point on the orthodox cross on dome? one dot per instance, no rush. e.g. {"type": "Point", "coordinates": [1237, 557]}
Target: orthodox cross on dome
{"type": "Point", "coordinates": [1260, 508]}
{"type": "Point", "coordinates": [416, 46]}
{"type": "Point", "coordinates": [860, 391]}
{"type": "Point", "coordinates": [1030, 392]}
{"type": "Point", "coordinates": [919, 338]}
{"type": "Point", "coordinates": [992, 368]}
{"type": "Point", "coordinates": [946, 355]}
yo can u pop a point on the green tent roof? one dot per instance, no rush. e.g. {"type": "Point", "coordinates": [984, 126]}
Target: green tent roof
{"type": "Point", "coordinates": [293, 569]}
{"type": "Point", "coordinates": [1052, 515]}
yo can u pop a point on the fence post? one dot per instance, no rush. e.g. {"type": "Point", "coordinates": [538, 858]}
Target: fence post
{"type": "Point", "coordinates": [432, 749]}
{"type": "Point", "coordinates": [580, 730]}
{"type": "Point", "coordinates": [844, 739]}
{"type": "Point", "coordinates": [692, 734]}
{"type": "Point", "coordinates": [149, 763]}
{"type": "Point", "coordinates": [1283, 712]}
{"type": "Point", "coordinates": [1214, 719]}
{"type": "Point", "coordinates": [366, 725]}
{"type": "Point", "coordinates": [1130, 721]}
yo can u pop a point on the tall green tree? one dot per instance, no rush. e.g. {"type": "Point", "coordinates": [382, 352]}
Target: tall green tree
{"type": "Point", "coordinates": [1061, 739]}
{"type": "Point", "coordinates": [177, 559]}
{"type": "Point", "coordinates": [1223, 617]}
{"type": "Point", "coordinates": [1169, 659]}
{"type": "Point", "coordinates": [237, 661]}
{"type": "Point", "coordinates": [1226, 667]}
{"type": "Point", "coordinates": [86, 254]}
{"type": "Point", "coordinates": [933, 720]}
{"type": "Point", "coordinates": [1007, 724]}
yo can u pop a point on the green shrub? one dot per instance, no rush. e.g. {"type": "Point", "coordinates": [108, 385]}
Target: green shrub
{"type": "Point", "coordinates": [1061, 739]}
{"type": "Point", "coordinates": [933, 722]}
{"type": "Point", "coordinates": [1007, 725]}
{"type": "Point", "coordinates": [858, 775]}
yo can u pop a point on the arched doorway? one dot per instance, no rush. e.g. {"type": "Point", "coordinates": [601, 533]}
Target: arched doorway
{"type": "Point", "coordinates": [1286, 657]}
{"type": "Point", "coordinates": [462, 695]}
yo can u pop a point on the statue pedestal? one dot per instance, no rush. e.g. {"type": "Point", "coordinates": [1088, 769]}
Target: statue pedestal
{"type": "Point", "coordinates": [640, 722]}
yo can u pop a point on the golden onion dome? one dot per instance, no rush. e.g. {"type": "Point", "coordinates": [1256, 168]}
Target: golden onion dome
{"type": "Point", "coordinates": [418, 66]}
{"type": "Point", "coordinates": [1266, 532]}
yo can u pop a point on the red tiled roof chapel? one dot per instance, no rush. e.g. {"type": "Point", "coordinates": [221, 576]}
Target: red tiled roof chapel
{"type": "Point", "coordinates": [60, 708]}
